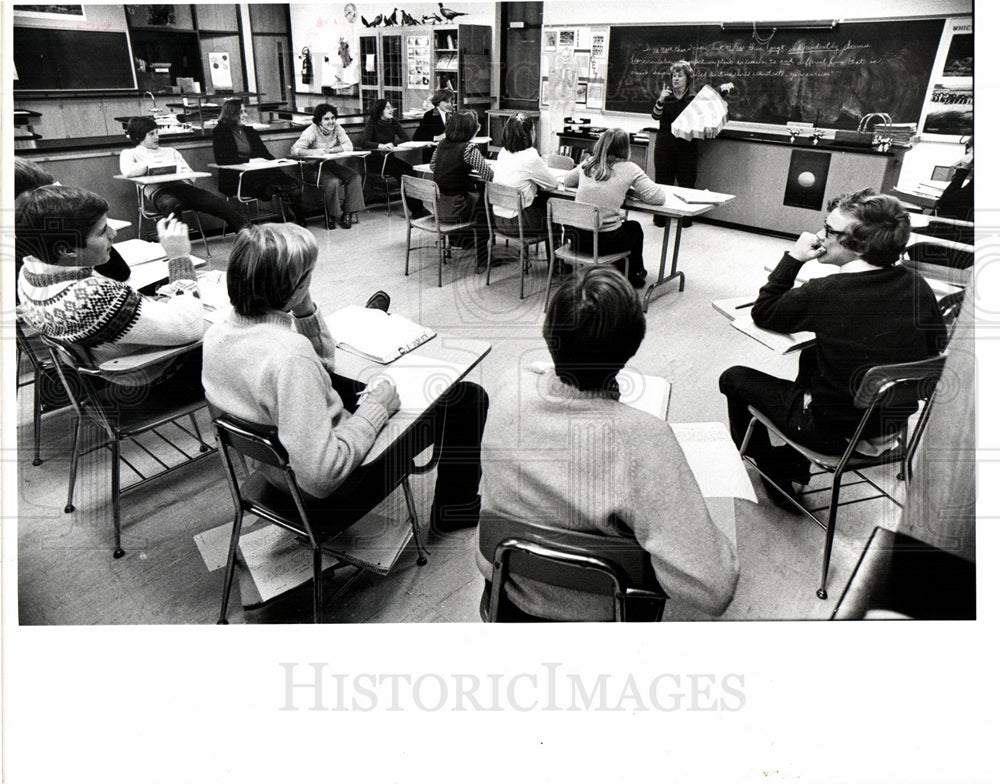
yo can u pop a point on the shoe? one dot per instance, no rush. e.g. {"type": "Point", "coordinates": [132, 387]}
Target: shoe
{"type": "Point", "coordinates": [638, 280]}
{"type": "Point", "coordinates": [780, 500]}
{"type": "Point", "coordinates": [455, 517]}
{"type": "Point", "coordinates": [345, 221]}
{"type": "Point", "coordinates": [378, 301]}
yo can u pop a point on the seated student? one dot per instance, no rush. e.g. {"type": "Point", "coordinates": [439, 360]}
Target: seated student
{"type": "Point", "coordinates": [453, 162]}
{"type": "Point", "coordinates": [957, 199]}
{"type": "Point", "coordinates": [382, 131]}
{"type": "Point", "coordinates": [270, 363]}
{"type": "Point", "coordinates": [61, 234]}
{"type": "Point", "coordinates": [234, 140]}
{"type": "Point", "coordinates": [874, 311]}
{"type": "Point", "coordinates": [170, 197]}
{"type": "Point", "coordinates": [561, 449]}
{"type": "Point", "coordinates": [432, 124]}
{"type": "Point", "coordinates": [604, 180]}
{"type": "Point", "coordinates": [28, 176]}
{"type": "Point", "coordinates": [519, 165]}
{"type": "Point", "coordinates": [341, 182]}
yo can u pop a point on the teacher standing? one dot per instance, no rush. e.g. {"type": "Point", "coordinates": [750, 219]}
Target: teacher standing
{"type": "Point", "coordinates": [675, 160]}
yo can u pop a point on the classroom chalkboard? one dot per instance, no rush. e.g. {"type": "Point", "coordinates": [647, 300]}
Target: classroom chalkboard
{"type": "Point", "coordinates": [53, 59]}
{"type": "Point", "coordinates": [831, 78]}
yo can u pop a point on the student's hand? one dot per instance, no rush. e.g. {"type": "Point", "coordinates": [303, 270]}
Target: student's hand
{"type": "Point", "coordinates": [304, 305]}
{"type": "Point", "coordinates": [385, 147]}
{"type": "Point", "coordinates": [383, 391]}
{"type": "Point", "coordinates": [173, 236]}
{"type": "Point", "coordinates": [664, 93]}
{"type": "Point", "coordinates": [965, 162]}
{"type": "Point", "coordinates": [807, 247]}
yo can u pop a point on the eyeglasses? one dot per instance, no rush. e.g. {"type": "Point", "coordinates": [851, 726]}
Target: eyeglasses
{"type": "Point", "coordinates": [831, 232]}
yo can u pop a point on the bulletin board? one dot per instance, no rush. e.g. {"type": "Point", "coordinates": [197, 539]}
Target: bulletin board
{"type": "Point", "coordinates": [588, 46]}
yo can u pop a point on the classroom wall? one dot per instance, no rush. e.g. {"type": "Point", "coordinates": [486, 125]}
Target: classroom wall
{"type": "Point", "coordinates": [917, 163]}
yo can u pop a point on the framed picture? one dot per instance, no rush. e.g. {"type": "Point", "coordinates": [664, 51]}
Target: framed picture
{"type": "Point", "coordinates": [549, 40]}
{"type": "Point", "coordinates": [581, 92]}
{"type": "Point", "coordinates": [598, 45]}
{"type": "Point", "coordinates": [582, 62]}
{"type": "Point", "coordinates": [567, 38]}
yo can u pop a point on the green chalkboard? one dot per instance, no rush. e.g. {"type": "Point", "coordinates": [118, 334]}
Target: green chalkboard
{"type": "Point", "coordinates": [830, 78]}
{"type": "Point", "coordinates": [53, 59]}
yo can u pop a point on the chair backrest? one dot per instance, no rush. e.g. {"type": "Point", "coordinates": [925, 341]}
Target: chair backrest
{"type": "Point", "coordinates": [506, 197]}
{"type": "Point", "coordinates": [554, 161]}
{"type": "Point", "coordinates": [903, 384]}
{"type": "Point", "coordinates": [422, 190]}
{"type": "Point", "coordinates": [259, 443]}
{"type": "Point", "coordinates": [577, 214]}
{"type": "Point", "coordinates": [593, 563]}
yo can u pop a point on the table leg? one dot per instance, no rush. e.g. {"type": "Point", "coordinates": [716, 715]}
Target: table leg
{"type": "Point", "coordinates": [674, 273]}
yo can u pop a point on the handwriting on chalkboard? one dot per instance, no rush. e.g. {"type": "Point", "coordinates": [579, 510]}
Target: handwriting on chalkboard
{"type": "Point", "coordinates": [830, 78]}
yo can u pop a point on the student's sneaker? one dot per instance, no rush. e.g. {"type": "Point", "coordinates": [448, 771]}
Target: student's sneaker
{"type": "Point", "coordinates": [378, 301]}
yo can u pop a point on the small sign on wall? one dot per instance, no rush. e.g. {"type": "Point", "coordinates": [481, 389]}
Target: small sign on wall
{"type": "Point", "coordinates": [222, 74]}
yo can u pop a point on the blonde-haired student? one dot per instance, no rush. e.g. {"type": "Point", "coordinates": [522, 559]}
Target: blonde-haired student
{"type": "Point", "coordinates": [604, 180]}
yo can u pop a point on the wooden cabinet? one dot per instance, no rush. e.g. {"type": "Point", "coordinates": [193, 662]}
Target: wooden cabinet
{"type": "Point", "coordinates": [407, 64]}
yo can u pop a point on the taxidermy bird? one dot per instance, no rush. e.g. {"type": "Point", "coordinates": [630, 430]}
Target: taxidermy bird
{"type": "Point", "coordinates": [374, 22]}
{"type": "Point", "coordinates": [391, 20]}
{"type": "Point", "coordinates": [450, 15]}
{"type": "Point", "coordinates": [407, 19]}
{"type": "Point", "coordinates": [431, 19]}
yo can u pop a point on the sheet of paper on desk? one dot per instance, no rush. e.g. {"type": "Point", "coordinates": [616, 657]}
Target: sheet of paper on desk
{"type": "Point", "coordinates": [419, 382]}
{"type": "Point", "coordinates": [714, 460]}
{"type": "Point", "coordinates": [136, 252]}
{"type": "Point", "coordinates": [695, 196]}
{"type": "Point", "coordinates": [214, 295]}
{"type": "Point", "coordinates": [776, 341]}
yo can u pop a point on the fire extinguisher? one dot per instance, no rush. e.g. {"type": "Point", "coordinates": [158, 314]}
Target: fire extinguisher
{"type": "Point", "coordinates": [307, 65]}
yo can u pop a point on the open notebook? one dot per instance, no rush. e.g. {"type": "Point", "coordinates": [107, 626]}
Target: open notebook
{"type": "Point", "coordinates": [375, 334]}
{"type": "Point", "coordinates": [737, 309]}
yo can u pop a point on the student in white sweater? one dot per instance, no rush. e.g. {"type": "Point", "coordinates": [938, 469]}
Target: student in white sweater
{"type": "Point", "coordinates": [62, 233]}
{"type": "Point", "coordinates": [272, 362]}
{"type": "Point", "coordinates": [604, 180]}
{"type": "Point", "coordinates": [170, 197]}
{"type": "Point", "coordinates": [519, 165]}
{"type": "Point", "coordinates": [341, 184]}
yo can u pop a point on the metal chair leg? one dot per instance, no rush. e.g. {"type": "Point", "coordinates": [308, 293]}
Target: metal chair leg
{"type": "Point", "coordinates": [317, 585]}
{"type": "Point", "coordinates": [409, 230]}
{"type": "Point", "coordinates": [234, 540]}
{"type": "Point", "coordinates": [204, 447]}
{"type": "Point", "coordinates": [116, 494]}
{"type": "Point", "coordinates": [831, 525]}
{"type": "Point", "coordinates": [37, 420]}
{"type": "Point", "coordinates": [73, 463]}
{"type": "Point", "coordinates": [440, 244]}
{"type": "Point", "coordinates": [411, 509]}
{"type": "Point", "coordinates": [201, 231]}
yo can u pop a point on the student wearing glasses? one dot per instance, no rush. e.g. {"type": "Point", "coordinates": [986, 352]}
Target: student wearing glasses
{"type": "Point", "coordinates": [872, 312]}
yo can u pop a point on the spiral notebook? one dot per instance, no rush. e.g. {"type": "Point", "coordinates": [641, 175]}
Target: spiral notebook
{"type": "Point", "coordinates": [375, 334]}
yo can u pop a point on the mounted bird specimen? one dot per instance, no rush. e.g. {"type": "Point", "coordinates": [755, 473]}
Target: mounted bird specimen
{"type": "Point", "coordinates": [450, 15]}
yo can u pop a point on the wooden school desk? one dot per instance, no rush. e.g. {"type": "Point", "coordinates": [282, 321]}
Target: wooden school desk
{"type": "Point", "coordinates": [252, 166]}
{"type": "Point", "coordinates": [333, 156]}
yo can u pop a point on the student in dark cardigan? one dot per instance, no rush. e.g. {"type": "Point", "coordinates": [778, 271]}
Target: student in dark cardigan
{"type": "Point", "coordinates": [432, 124]}
{"type": "Point", "coordinates": [235, 141]}
{"type": "Point", "coordinates": [453, 163]}
{"type": "Point", "coordinates": [872, 312]}
{"type": "Point", "coordinates": [381, 133]}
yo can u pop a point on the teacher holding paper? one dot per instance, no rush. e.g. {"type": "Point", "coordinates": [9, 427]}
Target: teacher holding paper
{"type": "Point", "coordinates": [674, 159]}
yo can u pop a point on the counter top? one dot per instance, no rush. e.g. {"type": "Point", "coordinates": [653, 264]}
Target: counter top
{"type": "Point", "coordinates": [119, 142]}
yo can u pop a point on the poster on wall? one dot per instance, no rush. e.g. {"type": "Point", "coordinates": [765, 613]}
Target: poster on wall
{"type": "Point", "coordinates": [331, 34]}
{"type": "Point", "coordinates": [549, 41]}
{"type": "Point", "coordinates": [959, 60]}
{"type": "Point", "coordinates": [222, 75]}
{"type": "Point", "coordinates": [950, 111]}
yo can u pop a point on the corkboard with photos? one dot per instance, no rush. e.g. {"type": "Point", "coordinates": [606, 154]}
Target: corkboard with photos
{"type": "Point", "coordinates": [589, 47]}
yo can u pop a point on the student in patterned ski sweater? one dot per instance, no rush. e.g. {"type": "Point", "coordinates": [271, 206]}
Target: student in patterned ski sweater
{"type": "Point", "coordinates": [62, 233]}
